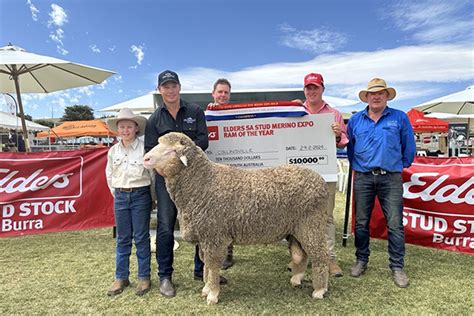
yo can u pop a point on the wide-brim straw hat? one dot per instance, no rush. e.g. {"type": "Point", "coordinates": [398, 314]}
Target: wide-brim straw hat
{"type": "Point", "coordinates": [127, 114]}
{"type": "Point", "coordinates": [375, 85]}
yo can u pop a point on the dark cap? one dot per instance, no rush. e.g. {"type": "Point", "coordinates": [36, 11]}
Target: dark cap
{"type": "Point", "coordinates": [166, 76]}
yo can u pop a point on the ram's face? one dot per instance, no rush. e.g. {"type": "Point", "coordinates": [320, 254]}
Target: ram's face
{"type": "Point", "coordinates": [165, 156]}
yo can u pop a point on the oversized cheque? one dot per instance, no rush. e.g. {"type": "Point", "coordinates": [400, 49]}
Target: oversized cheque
{"type": "Point", "coordinates": [266, 142]}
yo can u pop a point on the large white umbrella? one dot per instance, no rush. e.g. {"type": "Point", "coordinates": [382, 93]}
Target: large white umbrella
{"type": "Point", "coordinates": [25, 72]}
{"type": "Point", "coordinates": [459, 104]}
{"type": "Point", "coordinates": [449, 115]}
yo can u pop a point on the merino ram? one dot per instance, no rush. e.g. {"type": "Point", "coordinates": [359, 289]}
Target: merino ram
{"type": "Point", "coordinates": [219, 204]}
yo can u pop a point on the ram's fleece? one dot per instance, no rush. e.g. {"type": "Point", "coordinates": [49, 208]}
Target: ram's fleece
{"type": "Point", "coordinates": [218, 205]}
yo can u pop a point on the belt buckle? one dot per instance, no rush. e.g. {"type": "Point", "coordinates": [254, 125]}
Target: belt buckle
{"type": "Point", "coordinates": [378, 171]}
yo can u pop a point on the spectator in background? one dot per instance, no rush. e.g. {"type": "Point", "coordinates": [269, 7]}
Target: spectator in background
{"type": "Point", "coordinates": [220, 92]}
{"type": "Point", "coordinates": [381, 144]}
{"type": "Point", "coordinates": [17, 139]}
{"type": "Point", "coordinates": [221, 95]}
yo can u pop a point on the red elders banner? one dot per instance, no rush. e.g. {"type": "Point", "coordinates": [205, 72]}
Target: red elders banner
{"type": "Point", "coordinates": [54, 191]}
{"type": "Point", "coordinates": [438, 204]}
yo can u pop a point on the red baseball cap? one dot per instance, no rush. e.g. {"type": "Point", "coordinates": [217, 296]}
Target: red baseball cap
{"type": "Point", "coordinates": [314, 78]}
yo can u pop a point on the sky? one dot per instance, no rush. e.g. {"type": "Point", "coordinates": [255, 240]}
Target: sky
{"type": "Point", "coordinates": [424, 49]}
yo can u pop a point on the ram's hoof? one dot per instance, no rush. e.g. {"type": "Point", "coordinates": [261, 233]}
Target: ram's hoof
{"type": "Point", "coordinates": [296, 280]}
{"type": "Point", "coordinates": [212, 300]}
{"type": "Point", "coordinates": [319, 294]}
{"type": "Point", "coordinates": [205, 291]}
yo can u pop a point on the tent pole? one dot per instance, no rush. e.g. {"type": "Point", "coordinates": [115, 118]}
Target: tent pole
{"type": "Point", "coordinates": [469, 144]}
{"type": "Point", "coordinates": [345, 235]}
{"type": "Point", "coordinates": [20, 105]}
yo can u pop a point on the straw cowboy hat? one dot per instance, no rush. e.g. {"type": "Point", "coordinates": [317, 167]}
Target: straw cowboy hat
{"type": "Point", "coordinates": [375, 85]}
{"type": "Point", "coordinates": [127, 114]}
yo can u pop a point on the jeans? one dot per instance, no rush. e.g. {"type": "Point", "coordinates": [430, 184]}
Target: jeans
{"type": "Point", "coordinates": [198, 263]}
{"type": "Point", "coordinates": [132, 219]}
{"type": "Point", "coordinates": [389, 190]}
{"type": "Point", "coordinates": [164, 230]}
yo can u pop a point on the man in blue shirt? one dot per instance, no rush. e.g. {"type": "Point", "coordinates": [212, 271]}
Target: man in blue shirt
{"type": "Point", "coordinates": [381, 144]}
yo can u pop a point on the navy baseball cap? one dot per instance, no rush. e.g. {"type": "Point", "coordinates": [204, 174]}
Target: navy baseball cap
{"type": "Point", "coordinates": [166, 76]}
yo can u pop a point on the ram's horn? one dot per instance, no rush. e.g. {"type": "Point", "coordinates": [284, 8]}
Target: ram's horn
{"type": "Point", "coordinates": [184, 160]}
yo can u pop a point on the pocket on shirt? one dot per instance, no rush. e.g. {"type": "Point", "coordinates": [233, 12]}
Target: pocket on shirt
{"type": "Point", "coordinates": [190, 130]}
{"type": "Point", "coordinates": [118, 166]}
{"type": "Point", "coordinates": [392, 136]}
{"type": "Point", "coordinates": [364, 143]}
{"type": "Point", "coordinates": [136, 168]}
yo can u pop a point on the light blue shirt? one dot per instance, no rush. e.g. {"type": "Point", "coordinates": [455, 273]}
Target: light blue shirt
{"type": "Point", "coordinates": [388, 144]}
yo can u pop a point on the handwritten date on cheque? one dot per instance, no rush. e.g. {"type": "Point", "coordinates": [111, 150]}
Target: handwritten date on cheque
{"type": "Point", "coordinates": [305, 148]}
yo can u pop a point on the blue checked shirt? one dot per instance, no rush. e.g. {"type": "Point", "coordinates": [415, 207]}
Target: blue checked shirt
{"type": "Point", "coordinates": [388, 144]}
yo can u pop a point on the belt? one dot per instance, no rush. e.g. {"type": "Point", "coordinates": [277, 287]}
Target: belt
{"type": "Point", "coordinates": [128, 190]}
{"type": "Point", "coordinates": [378, 171]}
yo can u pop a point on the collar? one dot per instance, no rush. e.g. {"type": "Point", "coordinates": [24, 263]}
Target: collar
{"type": "Point", "coordinates": [325, 105]}
{"type": "Point", "coordinates": [133, 145]}
{"type": "Point", "coordinates": [385, 112]}
{"type": "Point", "coordinates": [182, 104]}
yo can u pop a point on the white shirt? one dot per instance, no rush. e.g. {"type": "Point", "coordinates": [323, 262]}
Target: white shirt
{"type": "Point", "coordinates": [125, 166]}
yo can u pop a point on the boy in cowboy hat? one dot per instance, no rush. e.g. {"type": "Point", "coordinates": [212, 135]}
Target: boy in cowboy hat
{"type": "Point", "coordinates": [381, 144]}
{"type": "Point", "coordinates": [130, 183]}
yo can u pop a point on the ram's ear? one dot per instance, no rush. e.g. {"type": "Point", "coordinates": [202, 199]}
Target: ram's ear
{"type": "Point", "coordinates": [184, 160]}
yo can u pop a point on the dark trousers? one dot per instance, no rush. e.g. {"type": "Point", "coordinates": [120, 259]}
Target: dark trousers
{"type": "Point", "coordinates": [164, 230]}
{"type": "Point", "coordinates": [389, 190]}
{"type": "Point", "coordinates": [198, 264]}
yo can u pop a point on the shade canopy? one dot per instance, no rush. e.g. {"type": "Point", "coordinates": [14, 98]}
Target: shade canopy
{"type": "Point", "coordinates": [43, 74]}
{"type": "Point", "coordinates": [13, 122]}
{"type": "Point", "coordinates": [25, 72]}
{"type": "Point", "coordinates": [145, 103]}
{"type": "Point", "coordinates": [423, 124]}
{"type": "Point", "coordinates": [449, 115]}
{"type": "Point", "coordinates": [461, 102]}
{"type": "Point", "coordinates": [79, 128]}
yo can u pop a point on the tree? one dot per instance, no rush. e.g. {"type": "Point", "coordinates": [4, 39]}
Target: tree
{"type": "Point", "coordinates": [78, 113]}
{"type": "Point", "coordinates": [45, 122]}
{"type": "Point", "coordinates": [27, 117]}
{"type": "Point", "coordinates": [104, 117]}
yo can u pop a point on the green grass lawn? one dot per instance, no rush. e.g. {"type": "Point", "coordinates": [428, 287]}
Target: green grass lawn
{"type": "Point", "coordinates": [69, 273]}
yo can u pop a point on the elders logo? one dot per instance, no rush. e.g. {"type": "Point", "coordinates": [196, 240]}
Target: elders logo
{"type": "Point", "coordinates": [435, 187]}
{"type": "Point", "coordinates": [213, 132]}
{"type": "Point", "coordinates": [39, 179]}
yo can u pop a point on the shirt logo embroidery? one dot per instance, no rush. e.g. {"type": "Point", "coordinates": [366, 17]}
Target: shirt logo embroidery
{"type": "Point", "coordinates": [189, 120]}
{"type": "Point", "coordinates": [392, 123]}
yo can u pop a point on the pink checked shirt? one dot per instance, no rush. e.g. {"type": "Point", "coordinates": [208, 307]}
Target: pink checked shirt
{"type": "Point", "coordinates": [337, 118]}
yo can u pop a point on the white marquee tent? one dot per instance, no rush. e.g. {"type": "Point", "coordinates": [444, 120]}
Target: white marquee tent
{"type": "Point", "coordinates": [9, 121]}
